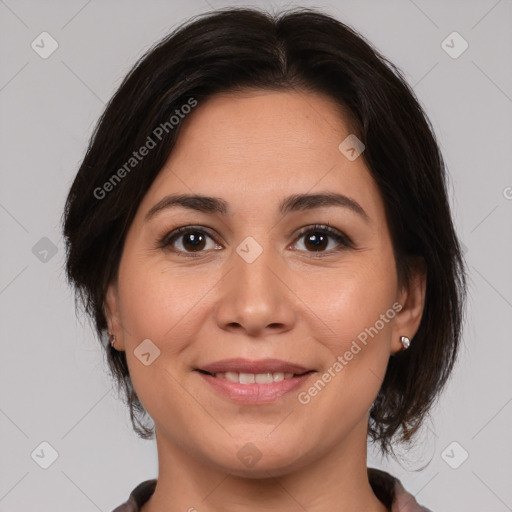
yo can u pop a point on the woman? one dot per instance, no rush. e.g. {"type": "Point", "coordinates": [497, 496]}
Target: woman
{"type": "Point", "coordinates": [260, 229]}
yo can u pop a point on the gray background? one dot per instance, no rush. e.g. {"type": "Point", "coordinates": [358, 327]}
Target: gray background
{"type": "Point", "coordinates": [54, 386]}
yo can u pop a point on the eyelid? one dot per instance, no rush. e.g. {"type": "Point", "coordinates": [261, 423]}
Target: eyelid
{"type": "Point", "coordinates": [335, 233]}
{"type": "Point", "coordinates": [165, 240]}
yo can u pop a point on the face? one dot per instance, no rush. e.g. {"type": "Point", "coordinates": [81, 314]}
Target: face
{"type": "Point", "coordinates": [301, 294]}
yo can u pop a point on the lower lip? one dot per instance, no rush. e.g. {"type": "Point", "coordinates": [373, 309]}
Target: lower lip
{"type": "Point", "coordinates": [255, 393]}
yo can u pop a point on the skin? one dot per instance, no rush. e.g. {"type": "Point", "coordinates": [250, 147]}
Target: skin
{"type": "Point", "coordinates": [253, 149]}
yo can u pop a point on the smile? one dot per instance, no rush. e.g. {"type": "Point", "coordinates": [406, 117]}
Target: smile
{"type": "Point", "coordinates": [251, 378]}
{"type": "Point", "coordinates": [253, 389]}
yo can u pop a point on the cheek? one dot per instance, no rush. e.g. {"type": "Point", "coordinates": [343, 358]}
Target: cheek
{"type": "Point", "coordinates": [356, 304]}
{"type": "Point", "coordinates": [157, 301]}
{"type": "Point", "coordinates": [166, 305]}
{"type": "Point", "coordinates": [160, 305]}
{"type": "Point", "coordinates": [361, 316]}
{"type": "Point", "coordinates": [351, 300]}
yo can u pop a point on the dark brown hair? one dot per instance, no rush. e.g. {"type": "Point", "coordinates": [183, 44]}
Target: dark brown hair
{"type": "Point", "coordinates": [304, 49]}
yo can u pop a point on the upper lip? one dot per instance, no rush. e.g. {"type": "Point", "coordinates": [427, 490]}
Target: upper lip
{"type": "Point", "coordinates": [240, 365]}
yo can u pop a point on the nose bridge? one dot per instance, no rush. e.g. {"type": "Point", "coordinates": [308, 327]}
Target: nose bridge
{"type": "Point", "coordinates": [253, 296]}
{"type": "Point", "coordinates": [253, 266]}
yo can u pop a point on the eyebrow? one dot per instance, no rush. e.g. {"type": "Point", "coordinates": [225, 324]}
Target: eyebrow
{"type": "Point", "coordinates": [293, 203]}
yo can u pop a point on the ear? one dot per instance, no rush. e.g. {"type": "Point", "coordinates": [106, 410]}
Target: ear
{"type": "Point", "coordinates": [412, 299]}
{"type": "Point", "coordinates": [111, 310]}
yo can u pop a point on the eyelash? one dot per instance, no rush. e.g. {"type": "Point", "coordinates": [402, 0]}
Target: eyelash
{"type": "Point", "coordinates": [345, 242]}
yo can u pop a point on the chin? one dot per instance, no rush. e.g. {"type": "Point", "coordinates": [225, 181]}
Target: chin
{"type": "Point", "coordinates": [261, 458]}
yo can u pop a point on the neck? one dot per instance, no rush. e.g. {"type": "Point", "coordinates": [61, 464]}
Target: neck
{"type": "Point", "coordinates": [335, 481]}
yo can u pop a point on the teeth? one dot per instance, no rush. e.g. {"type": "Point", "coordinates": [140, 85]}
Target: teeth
{"type": "Point", "coordinates": [247, 378]}
{"type": "Point", "coordinates": [231, 376]}
{"type": "Point", "coordinates": [251, 378]}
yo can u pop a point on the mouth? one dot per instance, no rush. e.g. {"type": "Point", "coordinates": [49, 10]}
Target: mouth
{"type": "Point", "coordinates": [254, 382]}
{"type": "Point", "coordinates": [255, 378]}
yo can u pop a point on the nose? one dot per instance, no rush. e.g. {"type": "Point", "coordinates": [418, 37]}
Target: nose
{"type": "Point", "coordinates": [254, 297]}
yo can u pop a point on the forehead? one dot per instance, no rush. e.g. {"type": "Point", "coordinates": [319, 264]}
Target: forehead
{"type": "Point", "coordinates": [261, 145]}
{"type": "Point", "coordinates": [282, 123]}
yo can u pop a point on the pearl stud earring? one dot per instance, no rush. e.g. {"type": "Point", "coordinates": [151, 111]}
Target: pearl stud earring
{"type": "Point", "coordinates": [406, 342]}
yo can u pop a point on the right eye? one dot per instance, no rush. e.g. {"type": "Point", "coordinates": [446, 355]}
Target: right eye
{"type": "Point", "coordinates": [187, 240]}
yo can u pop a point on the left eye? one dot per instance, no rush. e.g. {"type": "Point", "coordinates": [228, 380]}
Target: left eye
{"type": "Point", "coordinates": [318, 237]}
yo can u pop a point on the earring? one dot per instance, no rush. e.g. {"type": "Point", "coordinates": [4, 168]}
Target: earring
{"type": "Point", "coordinates": [406, 342]}
{"type": "Point", "coordinates": [112, 339]}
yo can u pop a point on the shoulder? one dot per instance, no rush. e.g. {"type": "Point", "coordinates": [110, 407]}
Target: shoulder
{"type": "Point", "coordinates": [138, 497]}
{"type": "Point", "coordinates": [391, 492]}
